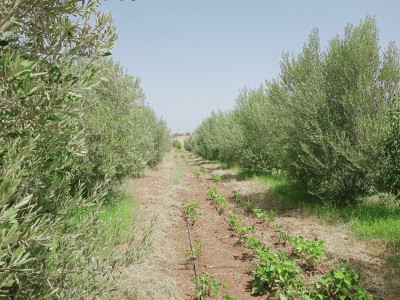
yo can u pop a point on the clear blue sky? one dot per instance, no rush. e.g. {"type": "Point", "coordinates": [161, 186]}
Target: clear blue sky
{"type": "Point", "coordinates": [194, 56]}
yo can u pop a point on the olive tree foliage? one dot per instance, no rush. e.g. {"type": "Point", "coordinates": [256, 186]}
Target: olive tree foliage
{"type": "Point", "coordinates": [330, 120]}
{"type": "Point", "coordinates": [218, 137]}
{"type": "Point", "coordinates": [123, 134]}
{"type": "Point", "coordinates": [334, 112]}
{"type": "Point", "coordinates": [53, 244]}
{"type": "Point", "coordinates": [251, 114]}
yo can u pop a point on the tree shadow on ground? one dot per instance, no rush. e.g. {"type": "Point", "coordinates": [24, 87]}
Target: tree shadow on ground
{"type": "Point", "coordinates": [231, 177]}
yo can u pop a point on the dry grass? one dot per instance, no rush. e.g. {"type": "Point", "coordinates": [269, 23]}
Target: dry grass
{"type": "Point", "coordinates": [154, 278]}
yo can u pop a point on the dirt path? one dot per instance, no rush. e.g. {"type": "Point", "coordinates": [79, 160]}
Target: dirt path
{"type": "Point", "coordinates": [165, 273]}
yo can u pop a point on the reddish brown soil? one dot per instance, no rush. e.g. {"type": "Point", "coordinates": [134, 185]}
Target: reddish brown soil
{"type": "Point", "coordinates": [165, 274]}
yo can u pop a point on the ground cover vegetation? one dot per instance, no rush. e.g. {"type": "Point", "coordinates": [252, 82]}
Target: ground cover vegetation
{"type": "Point", "coordinates": [287, 271]}
{"type": "Point", "coordinates": [326, 131]}
{"type": "Point", "coordinates": [73, 126]}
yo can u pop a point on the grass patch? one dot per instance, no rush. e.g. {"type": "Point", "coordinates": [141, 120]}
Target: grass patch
{"type": "Point", "coordinates": [290, 193]}
{"type": "Point", "coordinates": [177, 176]}
{"type": "Point", "coordinates": [120, 213]}
{"type": "Point", "coordinates": [375, 221]}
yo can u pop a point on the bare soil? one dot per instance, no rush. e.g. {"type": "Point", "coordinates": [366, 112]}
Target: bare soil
{"type": "Point", "coordinates": [165, 273]}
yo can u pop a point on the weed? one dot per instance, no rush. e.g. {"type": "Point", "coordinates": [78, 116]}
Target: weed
{"type": "Point", "coordinates": [177, 144]}
{"type": "Point", "coordinates": [204, 170]}
{"type": "Point", "coordinates": [120, 213]}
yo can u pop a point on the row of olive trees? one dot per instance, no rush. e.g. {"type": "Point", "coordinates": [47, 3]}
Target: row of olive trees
{"type": "Point", "coordinates": [330, 121]}
{"type": "Point", "coordinates": [123, 135]}
{"type": "Point", "coordinates": [71, 125]}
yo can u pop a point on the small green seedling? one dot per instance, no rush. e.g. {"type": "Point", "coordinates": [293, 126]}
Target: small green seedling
{"type": "Point", "coordinates": [253, 243]}
{"type": "Point", "coordinates": [264, 215]}
{"type": "Point", "coordinates": [276, 272]}
{"type": "Point", "coordinates": [216, 178]}
{"type": "Point", "coordinates": [239, 198]}
{"type": "Point", "coordinates": [196, 251]}
{"type": "Point", "coordinates": [234, 220]}
{"type": "Point", "coordinates": [193, 210]}
{"type": "Point", "coordinates": [242, 231]}
{"type": "Point", "coordinates": [212, 193]}
{"type": "Point", "coordinates": [221, 202]}
{"type": "Point", "coordinates": [204, 170]}
{"type": "Point", "coordinates": [209, 286]}
{"type": "Point", "coordinates": [339, 283]}
{"type": "Point", "coordinates": [218, 199]}
{"type": "Point", "coordinates": [309, 251]}
{"type": "Point", "coordinates": [249, 206]}
{"type": "Point", "coordinates": [282, 236]}
{"type": "Point", "coordinates": [196, 172]}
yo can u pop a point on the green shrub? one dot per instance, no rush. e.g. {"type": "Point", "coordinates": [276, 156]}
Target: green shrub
{"type": "Point", "coordinates": [218, 137]}
{"type": "Point", "coordinates": [332, 108]}
{"type": "Point", "coordinates": [330, 121]}
{"type": "Point", "coordinates": [391, 176]}
{"type": "Point", "coordinates": [55, 164]}
{"type": "Point", "coordinates": [124, 148]}
{"type": "Point", "coordinates": [177, 144]}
